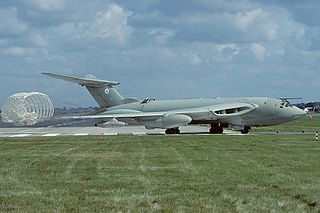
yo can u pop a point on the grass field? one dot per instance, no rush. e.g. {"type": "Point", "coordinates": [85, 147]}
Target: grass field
{"type": "Point", "coordinates": [160, 173]}
{"type": "Point", "coordinates": [255, 173]}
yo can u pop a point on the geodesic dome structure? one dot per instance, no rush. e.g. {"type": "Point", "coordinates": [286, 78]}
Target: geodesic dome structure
{"type": "Point", "coordinates": [25, 109]}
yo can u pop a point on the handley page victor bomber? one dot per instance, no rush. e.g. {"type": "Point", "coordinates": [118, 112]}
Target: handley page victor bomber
{"type": "Point", "coordinates": [237, 113]}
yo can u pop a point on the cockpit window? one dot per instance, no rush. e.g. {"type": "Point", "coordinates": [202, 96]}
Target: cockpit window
{"type": "Point", "coordinates": [147, 100]}
{"type": "Point", "coordinates": [285, 103]}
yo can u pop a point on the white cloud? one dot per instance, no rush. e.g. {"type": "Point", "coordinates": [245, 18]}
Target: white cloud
{"type": "Point", "coordinates": [3, 42]}
{"type": "Point", "coordinates": [161, 37]}
{"type": "Point", "coordinates": [47, 5]}
{"type": "Point", "coordinates": [167, 53]}
{"type": "Point", "coordinates": [14, 51]}
{"type": "Point", "coordinates": [202, 41]}
{"type": "Point", "coordinates": [10, 24]}
{"type": "Point", "coordinates": [252, 25]}
{"type": "Point", "coordinates": [37, 39]}
{"type": "Point", "coordinates": [192, 58]}
{"type": "Point", "coordinates": [256, 20]}
{"type": "Point", "coordinates": [111, 24]}
{"type": "Point", "coordinates": [106, 27]}
{"type": "Point", "coordinates": [258, 50]}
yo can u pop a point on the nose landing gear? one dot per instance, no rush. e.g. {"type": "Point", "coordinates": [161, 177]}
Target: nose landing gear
{"type": "Point", "coordinates": [245, 130]}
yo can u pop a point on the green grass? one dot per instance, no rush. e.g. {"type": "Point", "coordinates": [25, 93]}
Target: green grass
{"type": "Point", "coordinates": [307, 124]}
{"type": "Point", "coordinates": [160, 173]}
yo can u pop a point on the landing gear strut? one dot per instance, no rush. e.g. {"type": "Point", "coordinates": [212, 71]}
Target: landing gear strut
{"type": "Point", "coordinates": [173, 131]}
{"type": "Point", "coordinates": [245, 130]}
{"type": "Point", "coordinates": [216, 129]}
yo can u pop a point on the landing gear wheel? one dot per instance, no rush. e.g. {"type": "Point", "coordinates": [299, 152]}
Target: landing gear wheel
{"type": "Point", "coordinates": [172, 131]}
{"type": "Point", "coordinates": [216, 129]}
{"type": "Point", "coordinates": [245, 130]}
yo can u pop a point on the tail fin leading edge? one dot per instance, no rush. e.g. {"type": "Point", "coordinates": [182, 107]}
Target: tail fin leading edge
{"type": "Point", "coordinates": [101, 90]}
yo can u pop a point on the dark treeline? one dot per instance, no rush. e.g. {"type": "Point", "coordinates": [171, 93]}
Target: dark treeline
{"type": "Point", "coordinates": [311, 106]}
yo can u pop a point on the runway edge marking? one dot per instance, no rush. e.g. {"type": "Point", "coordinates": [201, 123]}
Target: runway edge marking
{"type": "Point", "coordinates": [80, 134]}
{"type": "Point", "coordinates": [51, 134]}
{"type": "Point", "coordinates": [19, 135]}
{"type": "Point", "coordinates": [110, 133]}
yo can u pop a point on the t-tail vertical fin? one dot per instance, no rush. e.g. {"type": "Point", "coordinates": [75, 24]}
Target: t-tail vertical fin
{"type": "Point", "coordinates": [101, 90]}
{"type": "Point", "coordinates": [105, 96]}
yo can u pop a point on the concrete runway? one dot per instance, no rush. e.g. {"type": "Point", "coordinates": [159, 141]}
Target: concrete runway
{"type": "Point", "coordinates": [86, 127]}
{"type": "Point", "coordinates": [59, 130]}
{"type": "Point", "coordinates": [84, 131]}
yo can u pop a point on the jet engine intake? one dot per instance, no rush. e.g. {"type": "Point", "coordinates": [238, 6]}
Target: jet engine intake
{"type": "Point", "coordinates": [236, 110]}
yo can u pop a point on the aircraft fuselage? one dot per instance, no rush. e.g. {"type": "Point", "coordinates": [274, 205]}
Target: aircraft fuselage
{"type": "Point", "coordinates": [268, 111]}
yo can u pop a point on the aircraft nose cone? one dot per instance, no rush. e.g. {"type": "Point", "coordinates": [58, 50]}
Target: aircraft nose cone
{"type": "Point", "coordinates": [298, 113]}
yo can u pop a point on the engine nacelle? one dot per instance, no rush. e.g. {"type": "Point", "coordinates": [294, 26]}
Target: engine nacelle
{"type": "Point", "coordinates": [112, 123]}
{"type": "Point", "coordinates": [168, 121]}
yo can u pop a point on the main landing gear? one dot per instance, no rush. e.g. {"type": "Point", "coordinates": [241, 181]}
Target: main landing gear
{"type": "Point", "coordinates": [172, 131]}
{"type": "Point", "coordinates": [216, 129]}
{"type": "Point", "coordinates": [245, 130]}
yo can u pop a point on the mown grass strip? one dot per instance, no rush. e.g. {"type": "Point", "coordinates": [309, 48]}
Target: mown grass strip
{"type": "Point", "coordinates": [153, 173]}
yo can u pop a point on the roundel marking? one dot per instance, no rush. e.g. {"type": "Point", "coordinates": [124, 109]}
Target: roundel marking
{"type": "Point", "coordinates": [106, 91]}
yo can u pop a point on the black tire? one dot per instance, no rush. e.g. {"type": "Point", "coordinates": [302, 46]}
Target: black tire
{"type": "Point", "coordinates": [172, 131]}
{"type": "Point", "coordinates": [245, 130]}
{"type": "Point", "coordinates": [216, 129]}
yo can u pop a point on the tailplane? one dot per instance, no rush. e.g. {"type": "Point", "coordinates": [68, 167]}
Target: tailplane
{"type": "Point", "coordinates": [101, 90]}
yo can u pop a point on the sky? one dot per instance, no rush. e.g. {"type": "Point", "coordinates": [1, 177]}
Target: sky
{"type": "Point", "coordinates": [164, 49]}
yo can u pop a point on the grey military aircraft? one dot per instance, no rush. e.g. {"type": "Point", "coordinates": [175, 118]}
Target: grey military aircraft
{"type": "Point", "coordinates": [236, 113]}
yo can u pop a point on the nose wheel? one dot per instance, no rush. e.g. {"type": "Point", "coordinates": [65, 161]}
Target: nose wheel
{"type": "Point", "coordinates": [172, 131]}
{"type": "Point", "coordinates": [245, 130]}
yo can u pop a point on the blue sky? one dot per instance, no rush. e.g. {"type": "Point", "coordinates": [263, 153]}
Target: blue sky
{"type": "Point", "coordinates": [164, 49]}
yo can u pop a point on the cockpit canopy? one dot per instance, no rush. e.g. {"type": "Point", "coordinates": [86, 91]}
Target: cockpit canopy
{"type": "Point", "coordinates": [285, 103]}
{"type": "Point", "coordinates": [147, 100]}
